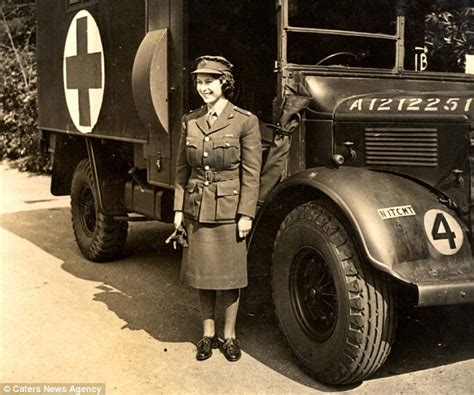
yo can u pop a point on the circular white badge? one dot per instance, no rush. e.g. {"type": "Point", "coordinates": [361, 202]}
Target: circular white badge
{"type": "Point", "coordinates": [443, 231]}
{"type": "Point", "coordinates": [83, 71]}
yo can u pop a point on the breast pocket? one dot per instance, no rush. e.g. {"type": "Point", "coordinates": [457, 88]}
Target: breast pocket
{"type": "Point", "coordinates": [226, 152]}
{"type": "Point", "coordinates": [227, 199]}
{"type": "Point", "coordinates": [192, 151]}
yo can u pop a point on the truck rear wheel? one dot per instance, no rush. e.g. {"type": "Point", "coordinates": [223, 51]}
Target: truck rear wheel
{"type": "Point", "coordinates": [98, 236]}
{"type": "Point", "coordinates": [337, 313]}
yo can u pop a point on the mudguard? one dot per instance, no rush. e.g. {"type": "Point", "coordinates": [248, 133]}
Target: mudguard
{"type": "Point", "coordinates": [402, 227]}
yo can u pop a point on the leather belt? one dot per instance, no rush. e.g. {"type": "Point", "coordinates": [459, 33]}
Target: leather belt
{"type": "Point", "coordinates": [209, 176]}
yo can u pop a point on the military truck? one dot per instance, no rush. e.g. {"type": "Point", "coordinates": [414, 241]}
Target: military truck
{"type": "Point", "coordinates": [366, 110]}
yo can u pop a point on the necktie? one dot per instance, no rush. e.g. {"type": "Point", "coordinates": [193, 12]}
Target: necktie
{"type": "Point", "coordinates": [211, 117]}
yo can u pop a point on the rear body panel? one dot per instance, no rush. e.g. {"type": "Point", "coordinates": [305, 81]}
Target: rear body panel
{"type": "Point", "coordinates": [122, 27]}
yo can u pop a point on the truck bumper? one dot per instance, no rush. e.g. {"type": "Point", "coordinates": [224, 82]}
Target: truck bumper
{"type": "Point", "coordinates": [433, 294]}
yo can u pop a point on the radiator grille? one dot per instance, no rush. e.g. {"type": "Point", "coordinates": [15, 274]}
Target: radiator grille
{"type": "Point", "coordinates": [401, 146]}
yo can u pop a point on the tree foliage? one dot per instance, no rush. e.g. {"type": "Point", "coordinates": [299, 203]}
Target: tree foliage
{"type": "Point", "coordinates": [20, 140]}
{"type": "Point", "coordinates": [448, 37]}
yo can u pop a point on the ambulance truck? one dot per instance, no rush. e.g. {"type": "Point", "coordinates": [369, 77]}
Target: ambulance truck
{"type": "Point", "coordinates": [367, 118]}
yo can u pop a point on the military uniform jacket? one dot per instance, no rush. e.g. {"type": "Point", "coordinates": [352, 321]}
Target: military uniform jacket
{"type": "Point", "coordinates": [218, 167]}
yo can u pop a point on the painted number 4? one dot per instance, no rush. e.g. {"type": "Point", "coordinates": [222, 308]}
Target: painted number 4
{"type": "Point", "coordinates": [443, 231]}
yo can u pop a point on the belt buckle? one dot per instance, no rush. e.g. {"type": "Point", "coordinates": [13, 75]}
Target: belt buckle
{"type": "Point", "coordinates": [209, 175]}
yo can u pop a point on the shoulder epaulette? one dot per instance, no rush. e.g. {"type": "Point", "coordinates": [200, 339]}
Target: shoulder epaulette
{"type": "Point", "coordinates": [190, 113]}
{"type": "Point", "coordinates": [195, 110]}
{"type": "Point", "coordinates": [242, 111]}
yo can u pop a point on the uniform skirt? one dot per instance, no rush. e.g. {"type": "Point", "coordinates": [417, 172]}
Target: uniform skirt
{"type": "Point", "coordinates": [215, 257]}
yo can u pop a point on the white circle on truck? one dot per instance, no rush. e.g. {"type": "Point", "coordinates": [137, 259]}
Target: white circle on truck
{"type": "Point", "coordinates": [443, 231]}
{"type": "Point", "coordinates": [84, 71]}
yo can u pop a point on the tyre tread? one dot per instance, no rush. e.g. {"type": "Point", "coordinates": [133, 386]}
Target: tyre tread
{"type": "Point", "coordinates": [372, 322]}
{"type": "Point", "coordinates": [109, 236]}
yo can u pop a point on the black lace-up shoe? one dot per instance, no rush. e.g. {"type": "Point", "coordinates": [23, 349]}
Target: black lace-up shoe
{"type": "Point", "coordinates": [231, 349]}
{"type": "Point", "coordinates": [205, 346]}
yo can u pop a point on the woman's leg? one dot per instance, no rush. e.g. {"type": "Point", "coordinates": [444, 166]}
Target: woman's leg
{"type": "Point", "coordinates": [231, 346]}
{"type": "Point", "coordinates": [231, 300]}
{"type": "Point", "coordinates": [207, 301]}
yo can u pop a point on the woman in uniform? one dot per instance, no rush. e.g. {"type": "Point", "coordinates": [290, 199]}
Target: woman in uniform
{"type": "Point", "coordinates": [216, 191]}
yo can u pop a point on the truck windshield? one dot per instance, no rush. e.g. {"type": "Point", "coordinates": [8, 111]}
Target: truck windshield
{"type": "Point", "coordinates": [439, 35]}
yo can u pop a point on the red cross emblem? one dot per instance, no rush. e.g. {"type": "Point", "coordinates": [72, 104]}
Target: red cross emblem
{"type": "Point", "coordinates": [83, 69]}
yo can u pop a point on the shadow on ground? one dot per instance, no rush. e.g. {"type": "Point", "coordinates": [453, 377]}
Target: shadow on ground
{"type": "Point", "coordinates": [143, 289]}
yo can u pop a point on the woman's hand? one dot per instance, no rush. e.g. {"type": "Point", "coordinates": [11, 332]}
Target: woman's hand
{"type": "Point", "coordinates": [244, 225]}
{"type": "Point", "coordinates": [178, 221]}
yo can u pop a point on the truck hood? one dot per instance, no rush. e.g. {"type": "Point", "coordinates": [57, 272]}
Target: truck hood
{"type": "Point", "coordinates": [373, 97]}
{"type": "Point", "coordinates": [446, 104]}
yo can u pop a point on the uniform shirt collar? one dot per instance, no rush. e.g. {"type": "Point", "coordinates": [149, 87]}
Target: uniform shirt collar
{"type": "Point", "coordinates": [219, 106]}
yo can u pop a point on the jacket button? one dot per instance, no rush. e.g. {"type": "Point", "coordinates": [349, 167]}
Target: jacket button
{"type": "Point", "coordinates": [235, 191]}
{"type": "Point", "coordinates": [206, 167]}
{"type": "Point", "coordinates": [227, 144]}
{"type": "Point", "coordinates": [206, 182]}
{"type": "Point", "coordinates": [205, 154]}
{"type": "Point", "coordinates": [206, 138]}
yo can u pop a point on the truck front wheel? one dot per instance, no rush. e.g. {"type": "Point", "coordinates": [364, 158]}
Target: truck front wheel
{"type": "Point", "coordinates": [99, 237]}
{"type": "Point", "coordinates": [337, 313]}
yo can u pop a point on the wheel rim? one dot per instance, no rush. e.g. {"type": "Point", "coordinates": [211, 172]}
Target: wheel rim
{"type": "Point", "coordinates": [313, 294]}
{"type": "Point", "coordinates": [87, 209]}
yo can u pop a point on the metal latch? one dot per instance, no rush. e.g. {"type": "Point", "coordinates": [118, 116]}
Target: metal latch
{"type": "Point", "coordinates": [458, 178]}
{"type": "Point", "coordinates": [158, 162]}
{"type": "Point", "coordinates": [351, 154]}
